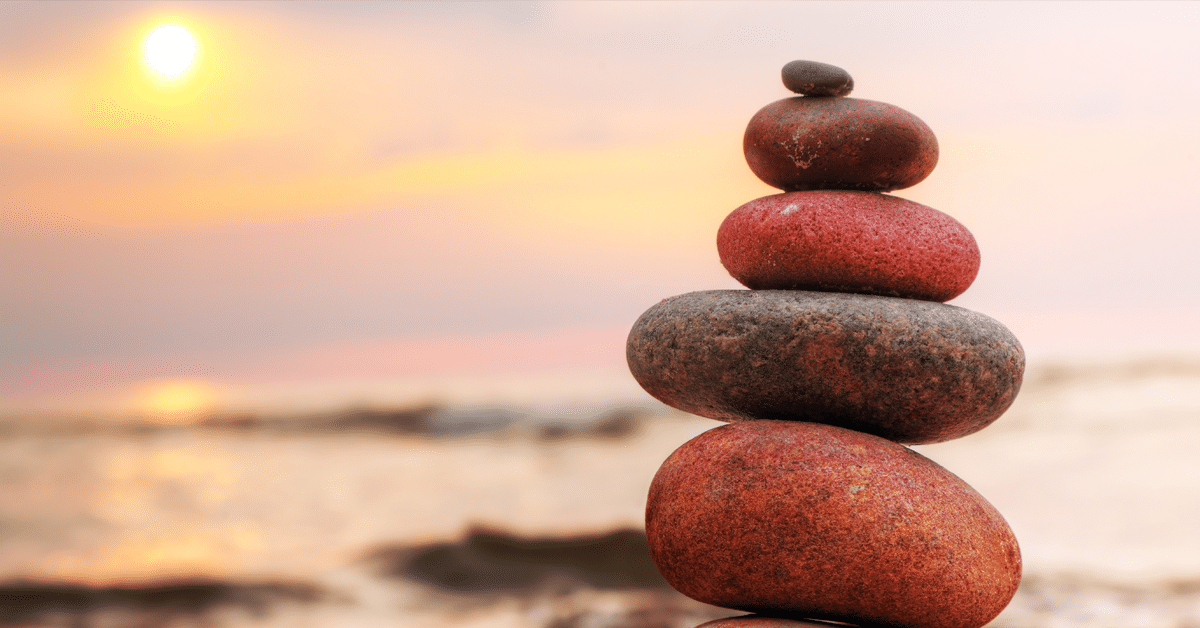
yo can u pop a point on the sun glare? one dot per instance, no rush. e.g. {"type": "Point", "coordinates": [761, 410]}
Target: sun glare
{"type": "Point", "coordinates": [169, 51]}
{"type": "Point", "coordinates": [177, 401]}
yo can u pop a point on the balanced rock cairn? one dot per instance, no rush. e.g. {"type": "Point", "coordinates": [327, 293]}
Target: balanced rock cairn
{"type": "Point", "coordinates": [807, 505]}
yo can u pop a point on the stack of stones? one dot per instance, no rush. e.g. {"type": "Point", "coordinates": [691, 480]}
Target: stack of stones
{"type": "Point", "coordinates": [807, 505]}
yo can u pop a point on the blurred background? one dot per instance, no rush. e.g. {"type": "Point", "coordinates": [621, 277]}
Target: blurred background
{"type": "Point", "coordinates": [314, 313]}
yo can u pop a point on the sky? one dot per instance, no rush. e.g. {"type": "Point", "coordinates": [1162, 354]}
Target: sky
{"type": "Point", "coordinates": [387, 202]}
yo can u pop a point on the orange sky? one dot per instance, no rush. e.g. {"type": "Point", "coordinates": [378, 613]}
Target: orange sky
{"type": "Point", "coordinates": [391, 177]}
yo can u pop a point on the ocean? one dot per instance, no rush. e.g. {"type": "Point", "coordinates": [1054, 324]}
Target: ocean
{"type": "Point", "coordinates": [494, 516]}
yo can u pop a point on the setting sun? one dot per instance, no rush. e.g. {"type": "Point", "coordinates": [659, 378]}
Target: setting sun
{"type": "Point", "coordinates": [169, 51]}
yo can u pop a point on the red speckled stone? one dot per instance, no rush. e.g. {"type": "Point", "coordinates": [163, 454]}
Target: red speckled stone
{"type": "Point", "coordinates": [805, 143]}
{"type": "Point", "coordinates": [909, 371]}
{"type": "Point", "coordinates": [759, 621]}
{"type": "Point", "coordinates": [813, 521]}
{"type": "Point", "coordinates": [843, 241]}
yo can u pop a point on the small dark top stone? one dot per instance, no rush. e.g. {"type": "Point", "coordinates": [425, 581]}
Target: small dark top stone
{"type": "Point", "coordinates": [810, 78]}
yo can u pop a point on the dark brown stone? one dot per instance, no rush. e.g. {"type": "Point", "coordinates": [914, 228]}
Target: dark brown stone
{"type": "Point", "coordinates": [812, 78]}
{"type": "Point", "coordinates": [813, 521]}
{"type": "Point", "coordinates": [909, 371]}
{"type": "Point", "coordinates": [804, 143]}
{"type": "Point", "coordinates": [846, 241]}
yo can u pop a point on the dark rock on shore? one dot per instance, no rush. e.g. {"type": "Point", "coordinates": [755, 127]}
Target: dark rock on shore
{"type": "Point", "coordinates": [495, 561]}
{"type": "Point", "coordinates": [31, 601]}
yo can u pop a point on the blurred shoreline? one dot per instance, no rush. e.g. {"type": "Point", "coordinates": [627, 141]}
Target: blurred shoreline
{"type": "Point", "coordinates": [265, 519]}
{"type": "Point", "coordinates": [562, 393]}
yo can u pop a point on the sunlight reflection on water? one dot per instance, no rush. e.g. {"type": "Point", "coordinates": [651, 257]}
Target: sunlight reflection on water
{"type": "Point", "coordinates": [106, 506]}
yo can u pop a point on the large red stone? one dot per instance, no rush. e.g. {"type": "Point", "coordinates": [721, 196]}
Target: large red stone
{"type": "Point", "coordinates": [805, 143]}
{"type": "Point", "coordinates": [909, 371]}
{"type": "Point", "coordinates": [844, 241]}
{"type": "Point", "coordinates": [812, 521]}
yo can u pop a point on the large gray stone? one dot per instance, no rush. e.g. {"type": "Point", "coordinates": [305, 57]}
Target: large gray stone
{"type": "Point", "coordinates": [906, 370]}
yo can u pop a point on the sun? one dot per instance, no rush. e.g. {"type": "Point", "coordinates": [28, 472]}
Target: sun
{"type": "Point", "coordinates": [170, 51]}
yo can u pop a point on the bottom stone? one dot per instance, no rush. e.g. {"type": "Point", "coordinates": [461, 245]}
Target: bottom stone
{"type": "Point", "coordinates": [804, 520]}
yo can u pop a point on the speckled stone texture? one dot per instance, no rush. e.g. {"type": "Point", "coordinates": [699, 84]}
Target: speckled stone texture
{"type": "Point", "coordinates": [845, 241]}
{"type": "Point", "coordinates": [813, 78]}
{"type": "Point", "coordinates": [909, 371]}
{"type": "Point", "coordinates": [814, 521]}
{"type": "Point", "coordinates": [805, 143]}
{"type": "Point", "coordinates": [759, 621]}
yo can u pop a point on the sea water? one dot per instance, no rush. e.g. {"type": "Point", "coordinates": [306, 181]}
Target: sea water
{"type": "Point", "coordinates": [1094, 467]}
